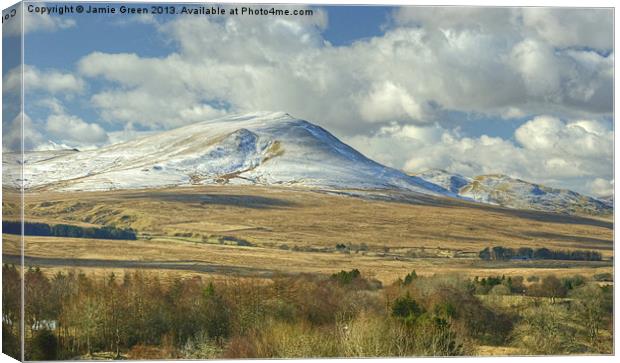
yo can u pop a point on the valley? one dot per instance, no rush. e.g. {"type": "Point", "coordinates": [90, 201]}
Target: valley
{"type": "Point", "coordinates": [264, 231]}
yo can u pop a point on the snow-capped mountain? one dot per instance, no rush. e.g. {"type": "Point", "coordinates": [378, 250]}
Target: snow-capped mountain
{"type": "Point", "coordinates": [514, 193]}
{"type": "Point", "coordinates": [268, 149]}
{"type": "Point", "coordinates": [52, 146]}
{"type": "Point", "coordinates": [258, 148]}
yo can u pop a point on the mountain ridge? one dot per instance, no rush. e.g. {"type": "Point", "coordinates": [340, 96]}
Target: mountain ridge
{"type": "Point", "coordinates": [258, 148]}
{"type": "Point", "coordinates": [515, 193]}
{"type": "Point", "coordinates": [272, 148]}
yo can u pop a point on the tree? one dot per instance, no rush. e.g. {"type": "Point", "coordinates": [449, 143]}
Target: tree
{"type": "Point", "coordinates": [410, 277]}
{"type": "Point", "coordinates": [544, 330]}
{"type": "Point", "coordinates": [553, 287]}
{"type": "Point", "coordinates": [406, 308]}
{"type": "Point", "coordinates": [36, 301]}
{"type": "Point", "coordinates": [588, 304]}
{"type": "Point", "coordinates": [485, 254]}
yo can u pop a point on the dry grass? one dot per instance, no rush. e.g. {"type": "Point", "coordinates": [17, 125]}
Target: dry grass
{"type": "Point", "coordinates": [177, 221]}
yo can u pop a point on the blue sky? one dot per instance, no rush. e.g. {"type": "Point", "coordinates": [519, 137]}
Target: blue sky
{"type": "Point", "coordinates": [346, 25]}
{"type": "Point", "coordinates": [525, 92]}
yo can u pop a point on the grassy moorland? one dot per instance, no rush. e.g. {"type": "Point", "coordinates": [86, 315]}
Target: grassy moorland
{"type": "Point", "coordinates": [269, 262]}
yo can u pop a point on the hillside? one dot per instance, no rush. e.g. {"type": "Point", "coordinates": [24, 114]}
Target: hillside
{"type": "Point", "coordinates": [508, 192]}
{"type": "Point", "coordinates": [259, 148]}
{"type": "Point", "coordinates": [271, 149]}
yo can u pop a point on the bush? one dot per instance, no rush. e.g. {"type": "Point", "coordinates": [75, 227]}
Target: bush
{"type": "Point", "coordinates": [410, 277]}
{"type": "Point", "coordinates": [604, 277]}
{"type": "Point", "coordinates": [533, 278]}
{"type": "Point", "coordinates": [346, 277]}
{"type": "Point", "coordinates": [588, 302]}
{"type": "Point", "coordinates": [201, 347]}
{"type": "Point", "coordinates": [545, 330]}
{"type": "Point", "coordinates": [406, 308]}
{"type": "Point", "coordinates": [573, 282]}
{"type": "Point", "coordinates": [499, 290]}
{"type": "Point", "coordinates": [298, 316]}
{"type": "Point", "coordinates": [550, 287]}
{"type": "Point", "coordinates": [44, 346]}
{"type": "Point", "coordinates": [10, 343]}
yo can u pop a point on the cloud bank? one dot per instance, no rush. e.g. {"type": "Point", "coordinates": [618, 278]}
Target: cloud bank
{"type": "Point", "coordinates": [395, 96]}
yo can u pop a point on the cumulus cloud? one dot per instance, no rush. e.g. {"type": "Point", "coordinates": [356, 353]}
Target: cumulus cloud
{"type": "Point", "coordinates": [48, 81]}
{"type": "Point", "coordinates": [387, 94]}
{"type": "Point", "coordinates": [570, 27]}
{"type": "Point", "coordinates": [602, 187]}
{"type": "Point", "coordinates": [69, 129]}
{"type": "Point", "coordinates": [75, 131]}
{"type": "Point", "coordinates": [495, 62]}
{"type": "Point", "coordinates": [558, 27]}
{"type": "Point", "coordinates": [573, 154]}
{"type": "Point", "coordinates": [21, 127]}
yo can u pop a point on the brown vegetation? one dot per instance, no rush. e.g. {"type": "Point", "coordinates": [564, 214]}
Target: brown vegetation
{"type": "Point", "coordinates": [343, 315]}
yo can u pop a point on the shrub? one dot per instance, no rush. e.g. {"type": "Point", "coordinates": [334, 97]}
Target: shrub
{"type": "Point", "coordinates": [406, 308]}
{"type": "Point", "coordinates": [589, 305]}
{"type": "Point", "coordinates": [533, 278]}
{"type": "Point", "coordinates": [372, 335]}
{"type": "Point", "coordinates": [573, 282]}
{"type": "Point", "coordinates": [499, 290]}
{"type": "Point", "coordinates": [606, 277]}
{"type": "Point", "coordinates": [44, 346]}
{"type": "Point", "coordinates": [544, 330]}
{"type": "Point", "coordinates": [10, 343]}
{"type": "Point", "coordinates": [346, 277]}
{"type": "Point", "coordinates": [201, 347]}
{"type": "Point", "coordinates": [410, 277]}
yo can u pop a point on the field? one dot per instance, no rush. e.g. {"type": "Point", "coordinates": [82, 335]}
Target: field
{"type": "Point", "coordinates": [277, 272]}
{"type": "Point", "coordinates": [258, 232]}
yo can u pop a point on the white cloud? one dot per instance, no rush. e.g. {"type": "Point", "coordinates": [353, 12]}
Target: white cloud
{"type": "Point", "coordinates": [35, 22]}
{"type": "Point", "coordinates": [70, 129]}
{"type": "Point", "coordinates": [602, 187]}
{"type": "Point", "coordinates": [75, 131]}
{"type": "Point", "coordinates": [575, 154]}
{"type": "Point", "coordinates": [570, 27]}
{"type": "Point", "coordinates": [489, 62]}
{"type": "Point", "coordinates": [386, 94]}
{"type": "Point", "coordinates": [579, 139]}
{"type": "Point", "coordinates": [21, 127]}
{"type": "Point", "coordinates": [49, 81]}
{"type": "Point", "coordinates": [388, 101]}
{"type": "Point", "coordinates": [558, 27]}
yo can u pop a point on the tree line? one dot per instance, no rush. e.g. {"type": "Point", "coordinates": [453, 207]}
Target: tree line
{"type": "Point", "coordinates": [66, 230]}
{"type": "Point", "coordinates": [506, 253]}
{"type": "Point", "coordinates": [137, 315]}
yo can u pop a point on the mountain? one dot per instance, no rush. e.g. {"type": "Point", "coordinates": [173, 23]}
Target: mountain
{"type": "Point", "coordinates": [515, 193]}
{"type": "Point", "coordinates": [609, 200]}
{"type": "Point", "coordinates": [257, 148]}
{"type": "Point", "coordinates": [270, 149]}
{"type": "Point", "coordinates": [52, 146]}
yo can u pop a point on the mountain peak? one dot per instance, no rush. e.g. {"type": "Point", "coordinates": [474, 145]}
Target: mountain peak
{"type": "Point", "coordinates": [265, 148]}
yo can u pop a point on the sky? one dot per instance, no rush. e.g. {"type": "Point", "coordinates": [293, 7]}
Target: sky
{"type": "Point", "coordinates": [526, 92]}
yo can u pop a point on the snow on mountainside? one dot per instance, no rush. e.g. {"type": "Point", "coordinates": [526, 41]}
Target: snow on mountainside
{"type": "Point", "coordinates": [514, 193]}
{"type": "Point", "coordinates": [258, 148]}
{"type": "Point", "coordinates": [268, 149]}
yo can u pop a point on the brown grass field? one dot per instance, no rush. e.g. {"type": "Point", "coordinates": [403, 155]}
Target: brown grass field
{"type": "Point", "coordinates": [195, 230]}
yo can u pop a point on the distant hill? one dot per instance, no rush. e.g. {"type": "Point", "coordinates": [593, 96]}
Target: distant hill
{"type": "Point", "coordinates": [515, 193]}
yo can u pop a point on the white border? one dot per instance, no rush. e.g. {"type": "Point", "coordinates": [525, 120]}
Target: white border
{"type": "Point", "coordinates": [571, 3]}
